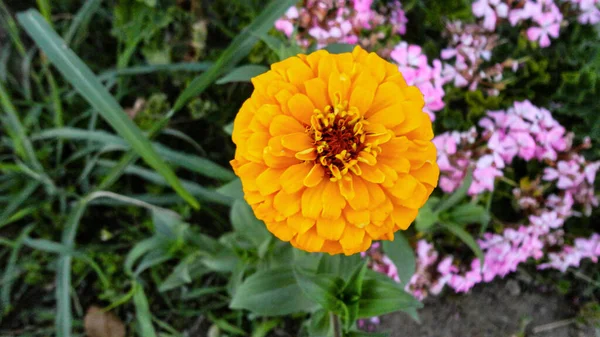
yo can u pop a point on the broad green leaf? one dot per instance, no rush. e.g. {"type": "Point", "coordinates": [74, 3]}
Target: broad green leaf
{"type": "Point", "coordinates": [237, 50]}
{"type": "Point", "coordinates": [465, 237]}
{"type": "Point", "coordinates": [339, 48]}
{"type": "Point", "coordinates": [319, 324]}
{"type": "Point", "coordinates": [271, 293]}
{"type": "Point", "coordinates": [139, 250]}
{"type": "Point", "coordinates": [243, 220]}
{"type": "Point", "coordinates": [469, 213]}
{"type": "Point", "coordinates": [142, 312]}
{"type": "Point", "coordinates": [352, 293]}
{"type": "Point", "coordinates": [458, 195]}
{"type": "Point", "coordinates": [263, 328]}
{"type": "Point", "coordinates": [243, 73]}
{"type": "Point", "coordinates": [339, 264]}
{"type": "Point", "coordinates": [86, 83]}
{"type": "Point", "coordinates": [403, 256]}
{"type": "Point", "coordinates": [426, 218]}
{"type": "Point", "coordinates": [232, 189]}
{"type": "Point", "coordinates": [185, 272]}
{"type": "Point", "coordinates": [323, 289]}
{"type": "Point", "coordinates": [382, 295]}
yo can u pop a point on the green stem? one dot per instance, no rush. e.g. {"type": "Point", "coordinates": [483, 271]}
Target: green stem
{"type": "Point", "coordinates": [337, 326]}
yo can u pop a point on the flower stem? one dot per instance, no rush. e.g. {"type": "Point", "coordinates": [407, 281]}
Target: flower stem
{"type": "Point", "coordinates": [335, 321]}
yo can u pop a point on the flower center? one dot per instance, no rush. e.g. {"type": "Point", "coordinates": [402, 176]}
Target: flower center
{"type": "Point", "coordinates": [339, 136]}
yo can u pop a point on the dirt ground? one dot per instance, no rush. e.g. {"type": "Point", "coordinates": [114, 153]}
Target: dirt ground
{"type": "Point", "coordinates": [500, 309]}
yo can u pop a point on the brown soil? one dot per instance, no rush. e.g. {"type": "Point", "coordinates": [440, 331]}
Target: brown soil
{"type": "Point", "coordinates": [500, 309]}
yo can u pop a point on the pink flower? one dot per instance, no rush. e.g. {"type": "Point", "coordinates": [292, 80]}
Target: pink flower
{"type": "Point", "coordinates": [549, 27]}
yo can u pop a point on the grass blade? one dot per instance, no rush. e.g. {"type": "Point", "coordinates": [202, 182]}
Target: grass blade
{"type": "Point", "coordinates": [81, 19]}
{"type": "Point", "coordinates": [64, 316]}
{"type": "Point", "coordinates": [197, 190]}
{"type": "Point", "coordinates": [237, 50]}
{"type": "Point", "coordinates": [16, 131]}
{"type": "Point", "coordinates": [191, 162]}
{"type": "Point", "coordinates": [17, 201]}
{"type": "Point", "coordinates": [149, 69]}
{"type": "Point", "coordinates": [8, 276]}
{"type": "Point", "coordinates": [86, 83]}
{"type": "Point", "coordinates": [142, 312]}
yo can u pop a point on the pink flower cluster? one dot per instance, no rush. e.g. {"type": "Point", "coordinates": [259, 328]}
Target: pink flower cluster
{"type": "Point", "coordinates": [543, 17]}
{"type": "Point", "coordinates": [524, 131]}
{"type": "Point", "coordinates": [339, 21]}
{"type": "Point", "coordinates": [469, 49]}
{"type": "Point", "coordinates": [413, 64]}
{"type": "Point", "coordinates": [530, 133]}
{"type": "Point", "coordinates": [571, 256]}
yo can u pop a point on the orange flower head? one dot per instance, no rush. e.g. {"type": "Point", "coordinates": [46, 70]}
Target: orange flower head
{"type": "Point", "coordinates": [334, 151]}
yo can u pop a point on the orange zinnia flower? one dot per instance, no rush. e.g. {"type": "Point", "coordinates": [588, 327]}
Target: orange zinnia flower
{"type": "Point", "coordinates": [334, 151]}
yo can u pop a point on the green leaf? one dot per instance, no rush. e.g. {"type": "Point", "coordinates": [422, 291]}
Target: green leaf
{"type": "Point", "coordinates": [319, 324]}
{"type": "Point", "coordinates": [86, 83]}
{"type": "Point", "coordinates": [366, 334]}
{"type": "Point", "coordinates": [426, 217]}
{"type": "Point", "coordinates": [339, 264]}
{"type": "Point", "coordinates": [142, 312]}
{"type": "Point", "coordinates": [458, 195]}
{"type": "Point", "coordinates": [352, 293]}
{"type": "Point", "coordinates": [239, 48]}
{"type": "Point", "coordinates": [469, 213]}
{"type": "Point", "coordinates": [139, 250]}
{"type": "Point", "coordinates": [339, 48]}
{"type": "Point", "coordinates": [224, 260]}
{"type": "Point", "coordinates": [232, 189]}
{"type": "Point", "coordinates": [153, 68]}
{"type": "Point", "coordinates": [323, 289]}
{"type": "Point", "coordinates": [243, 220]}
{"type": "Point", "coordinates": [403, 256]}
{"type": "Point", "coordinates": [243, 73]}
{"type": "Point", "coordinates": [271, 292]}
{"type": "Point", "coordinates": [382, 295]}
{"type": "Point", "coordinates": [465, 237]}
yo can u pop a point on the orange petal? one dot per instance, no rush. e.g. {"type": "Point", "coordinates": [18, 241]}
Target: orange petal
{"type": "Point", "coordinates": [390, 116]}
{"type": "Point", "coordinates": [358, 218]}
{"type": "Point", "coordinates": [403, 216]}
{"type": "Point", "coordinates": [281, 230]}
{"type": "Point", "coordinates": [300, 223]}
{"type": "Point", "coordinates": [352, 238]}
{"type": "Point", "coordinates": [314, 176]}
{"type": "Point", "coordinates": [248, 173]}
{"type": "Point", "coordinates": [361, 195]}
{"type": "Point", "coordinates": [315, 90]}
{"type": "Point", "coordinates": [299, 74]}
{"type": "Point", "coordinates": [292, 178]}
{"type": "Point", "coordinates": [404, 187]}
{"type": "Point", "coordinates": [301, 107]}
{"type": "Point", "coordinates": [333, 202]}
{"type": "Point", "coordinates": [309, 241]}
{"type": "Point", "coordinates": [418, 197]}
{"type": "Point", "coordinates": [428, 173]}
{"type": "Point", "coordinates": [346, 187]}
{"type": "Point", "coordinates": [372, 174]}
{"type": "Point", "coordinates": [387, 94]}
{"type": "Point", "coordinates": [269, 181]}
{"type": "Point", "coordinates": [367, 158]}
{"type": "Point", "coordinates": [332, 247]}
{"type": "Point", "coordinates": [311, 201]}
{"type": "Point", "coordinates": [286, 203]}
{"type": "Point", "coordinates": [297, 141]}
{"type": "Point", "coordinates": [376, 194]}
{"type": "Point", "coordinates": [284, 125]}
{"type": "Point", "coordinates": [331, 229]}
{"type": "Point", "coordinates": [308, 154]}
{"type": "Point", "coordinates": [410, 109]}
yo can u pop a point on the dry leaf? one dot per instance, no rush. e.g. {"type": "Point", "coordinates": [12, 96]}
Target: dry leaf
{"type": "Point", "coordinates": [103, 324]}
